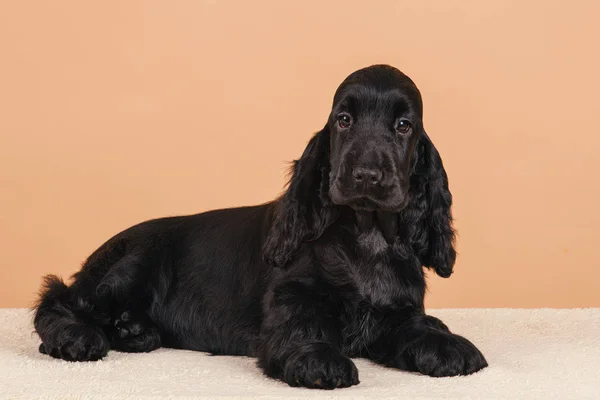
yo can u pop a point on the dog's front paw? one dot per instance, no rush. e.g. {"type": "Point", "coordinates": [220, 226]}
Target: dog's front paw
{"type": "Point", "coordinates": [445, 354]}
{"type": "Point", "coordinates": [320, 367]}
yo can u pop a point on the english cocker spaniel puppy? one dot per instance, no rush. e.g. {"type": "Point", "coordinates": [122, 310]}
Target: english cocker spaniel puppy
{"type": "Point", "coordinates": [332, 269]}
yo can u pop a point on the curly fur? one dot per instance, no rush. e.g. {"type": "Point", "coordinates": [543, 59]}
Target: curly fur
{"type": "Point", "coordinates": [303, 283]}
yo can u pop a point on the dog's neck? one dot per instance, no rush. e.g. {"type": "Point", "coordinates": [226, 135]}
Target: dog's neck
{"type": "Point", "coordinates": [385, 222]}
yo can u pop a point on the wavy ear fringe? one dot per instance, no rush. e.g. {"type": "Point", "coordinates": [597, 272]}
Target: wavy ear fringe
{"type": "Point", "coordinates": [305, 209]}
{"type": "Point", "coordinates": [429, 217]}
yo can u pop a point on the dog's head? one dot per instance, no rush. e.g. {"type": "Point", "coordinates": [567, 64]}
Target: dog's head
{"type": "Point", "coordinates": [374, 157]}
{"type": "Point", "coordinates": [375, 125]}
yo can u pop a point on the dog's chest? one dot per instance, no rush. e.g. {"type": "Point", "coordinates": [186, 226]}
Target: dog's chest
{"type": "Point", "coordinates": [372, 243]}
{"type": "Point", "coordinates": [372, 273]}
{"type": "Point", "coordinates": [376, 283]}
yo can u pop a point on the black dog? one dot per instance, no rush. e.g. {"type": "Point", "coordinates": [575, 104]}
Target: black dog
{"type": "Point", "coordinates": [333, 269]}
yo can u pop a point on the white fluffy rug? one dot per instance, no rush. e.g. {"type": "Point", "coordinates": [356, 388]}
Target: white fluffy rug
{"type": "Point", "coordinates": [533, 354]}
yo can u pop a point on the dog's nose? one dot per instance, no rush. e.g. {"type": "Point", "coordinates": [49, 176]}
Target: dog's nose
{"type": "Point", "coordinates": [371, 176]}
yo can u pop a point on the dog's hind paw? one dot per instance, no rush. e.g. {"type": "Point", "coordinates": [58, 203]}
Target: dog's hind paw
{"type": "Point", "coordinates": [134, 335]}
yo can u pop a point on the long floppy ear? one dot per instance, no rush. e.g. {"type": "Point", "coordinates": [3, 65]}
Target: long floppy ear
{"type": "Point", "coordinates": [433, 234]}
{"type": "Point", "coordinates": [305, 209]}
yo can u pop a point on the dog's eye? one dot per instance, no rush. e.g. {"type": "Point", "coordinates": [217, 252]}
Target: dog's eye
{"type": "Point", "coordinates": [403, 126]}
{"type": "Point", "coordinates": [344, 120]}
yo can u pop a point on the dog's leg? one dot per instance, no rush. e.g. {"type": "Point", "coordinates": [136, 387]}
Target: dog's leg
{"type": "Point", "coordinates": [300, 339]}
{"type": "Point", "coordinates": [424, 344]}
{"type": "Point", "coordinates": [77, 322]}
{"type": "Point", "coordinates": [69, 323]}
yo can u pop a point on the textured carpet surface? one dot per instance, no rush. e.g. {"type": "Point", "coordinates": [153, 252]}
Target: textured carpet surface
{"type": "Point", "coordinates": [533, 354]}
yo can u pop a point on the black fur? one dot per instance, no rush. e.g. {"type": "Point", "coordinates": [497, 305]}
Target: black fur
{"type": "Point", "coordinates": [331, 270]}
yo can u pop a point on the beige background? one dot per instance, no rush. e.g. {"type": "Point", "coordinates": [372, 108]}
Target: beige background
{"type": "Point", "coordinates": [114, 112]}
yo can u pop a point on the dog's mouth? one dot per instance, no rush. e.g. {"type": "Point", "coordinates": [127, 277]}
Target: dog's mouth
{"type": "Point", "coordinates": [372, 205]}
{"type": "Point", "coordinates": [394, 201]}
